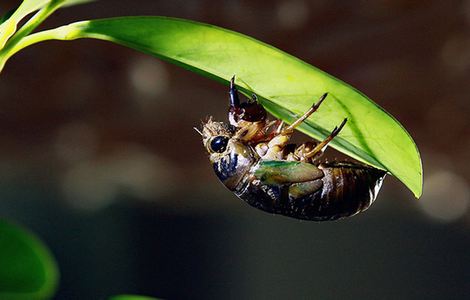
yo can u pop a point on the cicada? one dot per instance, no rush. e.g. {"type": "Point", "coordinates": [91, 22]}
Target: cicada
{"type": "Point", "coordinates": [253, 158]}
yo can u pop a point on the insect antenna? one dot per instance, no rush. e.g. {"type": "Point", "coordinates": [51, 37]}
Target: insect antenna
{"type": "Point", "coordinates": [197, 130]}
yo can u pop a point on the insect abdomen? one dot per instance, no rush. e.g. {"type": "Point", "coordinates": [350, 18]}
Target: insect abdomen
{"type": "Point", "coordinates": [348, 189]}
{"type": "Point", "coordinates": [344, 190]}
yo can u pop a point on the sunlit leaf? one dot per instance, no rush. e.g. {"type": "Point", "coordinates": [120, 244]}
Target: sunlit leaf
{"type": "Point", "coordinates": [27, 269]}
{"type": "Point", "coordinates": [285, 85]}
{"type": "Point", "coordinates": [29, 6]}
{"type": "Point", "coordinates": [9, 22]}
{"type": "Point", "coordinates": [8, 27]}
{"type": "Point", "coordinates": [76, 2]}
{"type": "Point", "coordinates": [6, 15]}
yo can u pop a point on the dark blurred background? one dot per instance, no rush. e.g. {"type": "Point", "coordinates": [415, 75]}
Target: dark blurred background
{"type": "Point", "coordinates": [99, 158]}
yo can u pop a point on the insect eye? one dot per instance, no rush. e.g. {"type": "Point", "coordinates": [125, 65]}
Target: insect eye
{"type": "Point", "coordinates": [219, 144]}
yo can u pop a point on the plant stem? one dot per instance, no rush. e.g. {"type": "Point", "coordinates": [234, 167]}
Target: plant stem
{"type": "Point", "coordinates": [67, 32]}
{"type": "Point", "coordinates": [8, 28]}
{"type": "Point", "coordinates": [32, 24]}
{"type": "Point", "coordinates": [18, 38]}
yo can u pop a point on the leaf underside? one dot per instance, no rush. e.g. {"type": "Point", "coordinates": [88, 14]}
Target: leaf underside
{"type": "Point", "coordinates": [285, 85]}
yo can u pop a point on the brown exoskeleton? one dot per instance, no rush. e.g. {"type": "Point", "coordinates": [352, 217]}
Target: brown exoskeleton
{"type": "Point", "coordinates": [252, 158]}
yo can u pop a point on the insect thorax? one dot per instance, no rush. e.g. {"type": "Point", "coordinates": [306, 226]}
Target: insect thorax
{"type": "Point", "coordinates": [234, 165]}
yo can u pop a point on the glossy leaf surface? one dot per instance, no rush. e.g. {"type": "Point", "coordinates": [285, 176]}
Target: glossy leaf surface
{"type": "Point", "coordinates": [285, 85]}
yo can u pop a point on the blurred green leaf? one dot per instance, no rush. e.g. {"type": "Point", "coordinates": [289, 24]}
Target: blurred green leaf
{"type": "Point", "coordinates": [27, 269]}
{"type": "Point", "coordinates": [131, 297]}
{"type": "Point", "coordinates": [285, 85]}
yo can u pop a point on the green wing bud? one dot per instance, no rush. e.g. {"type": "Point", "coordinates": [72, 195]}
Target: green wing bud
{"type": "Point", "coordinates": [278, 172]}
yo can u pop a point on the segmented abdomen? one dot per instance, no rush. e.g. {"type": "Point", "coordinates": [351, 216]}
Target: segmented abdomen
{"type": "Point", "coordinates": [347, 189]}
{"type": "Point", "coordinates": [344, 190]}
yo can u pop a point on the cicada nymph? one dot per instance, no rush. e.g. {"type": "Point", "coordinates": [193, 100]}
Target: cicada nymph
{"type": "Point", "coordinates": [253, 158]}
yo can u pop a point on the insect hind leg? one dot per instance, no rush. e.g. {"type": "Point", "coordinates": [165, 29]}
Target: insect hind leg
{"type": "Point", "coordinates": [321, 146]}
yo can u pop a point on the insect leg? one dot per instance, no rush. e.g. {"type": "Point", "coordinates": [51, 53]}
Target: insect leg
{"type": "Point", "coordinates": [233, 94]}
{"type": "Point", "coordinates": [247, 111]}
{"type": "Point", "coordinates": [269, 131]}
{"type": "Point", "coordinates": [279, 141]}
{"type": "Point", "coordinates": [279, 128]}
{"type": "Point", "coordinates": [234, 111]}
{"type": "Point", "coordinates": [290, 129]}
{"type": "Point", "coordinates": [321, 146]}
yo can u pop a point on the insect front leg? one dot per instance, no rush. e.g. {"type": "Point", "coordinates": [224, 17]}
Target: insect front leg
{"type": "Point", "coordinates": [268, 132]}
{"type": "Point", "coordinates": [234, 103]}
{"type": "Point", "coordinates": [243, 112]}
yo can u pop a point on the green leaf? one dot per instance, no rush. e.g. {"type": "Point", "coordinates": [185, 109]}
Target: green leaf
{"type": "Point", "coordinates": [29, 6]}
{"type": "Point", "coordinates": [28, 271]}
{"type": "Point", "coordinates": [9, 22]}
{"type": "Point", "coordinates": [285, 85]}
{"type": "Point", "coordinates": [75, 2]}
{"type": "Point", "coordinates": [7, 15]}
{"type": "Point", "coordinates": [8, 27]}
{"type": "Point", "coordinates": [131, 297]}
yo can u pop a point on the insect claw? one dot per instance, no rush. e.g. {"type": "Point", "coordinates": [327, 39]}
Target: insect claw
{"type": "Point", "coordinates": [254, 98]}
{"type": "Point", "coordinates": [337, 129]}
{"type": "Point", "coordinates": [342, 124]}
{"type": "Point", "coordinates": [232, 82]}
{"type": "Point", "coordinates": [317, 104]}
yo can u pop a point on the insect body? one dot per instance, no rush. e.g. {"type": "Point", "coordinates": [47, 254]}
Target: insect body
{"type": "Point", "coordinates": [252, 158]}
